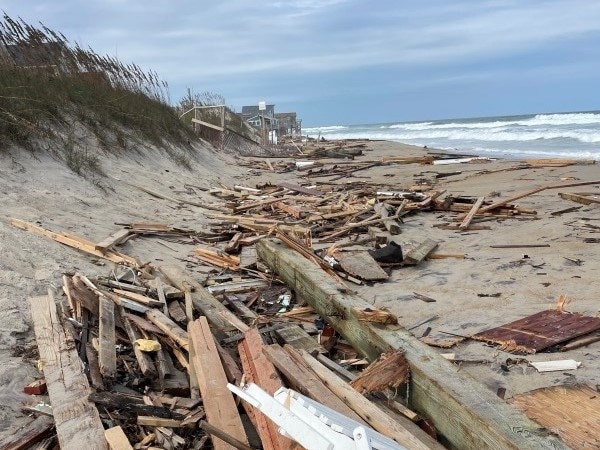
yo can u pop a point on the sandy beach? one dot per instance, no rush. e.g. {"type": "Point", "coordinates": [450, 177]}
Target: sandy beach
{"type": "Point", "coordinates": [487, 288]}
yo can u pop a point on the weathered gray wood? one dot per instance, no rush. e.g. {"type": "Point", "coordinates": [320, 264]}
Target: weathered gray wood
{"type": "Point", "coordinates": [465, 412]}
{"type": "Point", "coordinates": [420, 252]}
{"type": "Point", "coordinates": [77, 420]}
{"type": "Point", "coordinates": [169, 327]}
{"type": "Point", "coordinates": [107, 353]}
{"type": "Point", "coordinates": [298, 338]}
{"type": "Point", "coordinates": [144, 360]}
{"type": "Point", "coordinates": [222, 320]}
{"type": "Point", "coordinates": [28, 435]}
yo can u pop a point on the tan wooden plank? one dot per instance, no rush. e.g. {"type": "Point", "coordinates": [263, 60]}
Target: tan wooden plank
{"type": "Point", "coordinates": [209, 125]}
{"type": "Point", "coordinates": [304, 381]}
{"type": "Point", "coordinates": [77, 420]}
{"type": "Point", "coordinates": [169, 327]}
{"type": "Point", "coordinates": [469, 217]}
{"type": "Point", "coordinates": [420, 252]}
{"type": "Point", "coordinates": [116, 439]}
{"type": "Point", "coordinates": [144, 300]}
{"type": "Point", "coordinates": [219, 404]}
{"type": "Point", "coordinates": [116, 238]}
{"type": "Point", "coordinates": [75, 242]}
{"type": "Point", "coordinates": [584, 200]}
{"type": "Point", "coordinates": [144, 360]}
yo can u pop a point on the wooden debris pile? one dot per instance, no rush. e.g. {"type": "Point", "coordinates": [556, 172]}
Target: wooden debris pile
{"type": "Point", "coordinates": [152, 372]}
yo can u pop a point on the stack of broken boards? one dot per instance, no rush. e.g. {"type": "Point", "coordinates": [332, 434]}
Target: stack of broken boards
{"type": "Point", "coordinates": [135, 363]}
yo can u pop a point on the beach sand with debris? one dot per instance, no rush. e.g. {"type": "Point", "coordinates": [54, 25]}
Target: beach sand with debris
{"type": "Point", "coordinates": [475, 286]}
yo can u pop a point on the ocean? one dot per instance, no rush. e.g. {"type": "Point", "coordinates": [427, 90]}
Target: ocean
{"type": "Point", "coordinates": [558, 135]}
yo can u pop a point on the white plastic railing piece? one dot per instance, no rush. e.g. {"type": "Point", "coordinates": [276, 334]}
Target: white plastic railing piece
{"type": "Point", "coordinates": [312, 424]}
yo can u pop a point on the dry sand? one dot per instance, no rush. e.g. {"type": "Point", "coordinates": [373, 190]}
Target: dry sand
{"type": "Point", "coordinates": [42, 190]}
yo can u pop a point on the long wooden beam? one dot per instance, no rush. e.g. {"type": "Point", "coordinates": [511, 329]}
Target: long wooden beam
{"type": "Point", "coordinates": [77, 420]}
{"type": "Point", "coordinates": [468, 415]}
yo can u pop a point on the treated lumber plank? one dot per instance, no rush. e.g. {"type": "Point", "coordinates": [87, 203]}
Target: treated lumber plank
{"type": "Point", "coordinates": [28, 435]}
{"type": "Point", "coordinates": [219, 404]}
{"type": "Point", "coordinates": [76, 242]}
{"type": "Point", "coordinates": [107, 354]}
{"type": "Point", "coordinates": [297, 337]}
{"type": "Point", "coordinates": [260, 371]}
{"type": "Point", "coordinates": [378, 419]}
{"type": "Point", "coordinates": [222, 320]}
{"type": "Point", "coordinates": [116, 439]}
{"type": "Point", "coordinates": [169, 327]}
{"type": "Point", "coordinates": [469, 217]}
{"type": "Point", "coordinates": [116, 238]}
{"type": "Point", "coordinates": [456, 402]}
{"type": "Point", "coordinates": [76, 419]}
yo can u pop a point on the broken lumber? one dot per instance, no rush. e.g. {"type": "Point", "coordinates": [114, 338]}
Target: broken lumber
{"type": "Point", "coordinates": [374, 416]}
{"type": "Point", "coordinates": [219, 404]}
{"type": "Point", "coordinates": [107, 353]}
{"type": "Point", "coordinates": [169, 327]}
{"type": "Point", "coordinates": [456, 402]}
{"type": "Point", "coordinates": [259, 370]}
{"type": "Point", "coordinates": [28, 435]}
{"type": "Point", "coordinates": [76, 242]}
{"type": "Point", "coordinates": [76, 419]}
{"type": "Point", "coordinates": [390, 370]}
{"type": "Point", "coordinates": [223, 320]}
{"type": "Point", "coordinates": [116, 238]}
{"type": "Point", "coordinates": [116, 439]}
{"type": "Point", "coordinates": [420, 252]}
{"type": "Point", "coordinates": [469, 217]}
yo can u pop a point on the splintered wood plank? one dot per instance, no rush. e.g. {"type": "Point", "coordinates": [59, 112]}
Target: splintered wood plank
{"type": "Point", "coordinates": [539, 331]}
{"type": "Point", "coordinates": [28, 435]}
{"type": "Point", "coordinates": [223, 320]}
{"type": "Point", "coordinates": [107, 353]}
{"type": "Point", "coordinates": [374, 416]}
{"type": "Point", "coordinates": [144, 300]}
{"type": "Point", "coordinates": [116, 439]}
{"type": "Point", "coordinates": [260, 371]}
{"type": "Point", "coordinates": [360, 264]}
{"type": "Point", "coordinates": [168, 327]}
{"type": "Point", "coordinates": [304, 381]}
{"type": "Point", "coordinates": [572, 412]}
{"type": "Point", "coordinates": [116, 238]}
{"type": "Point", "coordinates": [301, 189]}
{"type": "Point", "coordinates": [76, 242]}
{"type": "Point", "coordinates": [76, 418]}
{"type": "Point", "coordinates": [391, 370]}
{"type": "Point", "coordinates": [219, 404]}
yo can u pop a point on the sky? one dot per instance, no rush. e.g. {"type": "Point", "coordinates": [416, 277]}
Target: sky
{"type": "Point", "coordinates": [352, 61]}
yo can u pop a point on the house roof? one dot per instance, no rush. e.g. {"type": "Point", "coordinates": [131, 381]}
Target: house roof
{"type": "Point", "coordinates": [249, 111]}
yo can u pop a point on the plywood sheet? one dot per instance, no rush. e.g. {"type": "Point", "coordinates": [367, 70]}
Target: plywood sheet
{"type": "Point", "coordinates": [539, 331]}
{"type": "Point", "coordinates": [572, 412]}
